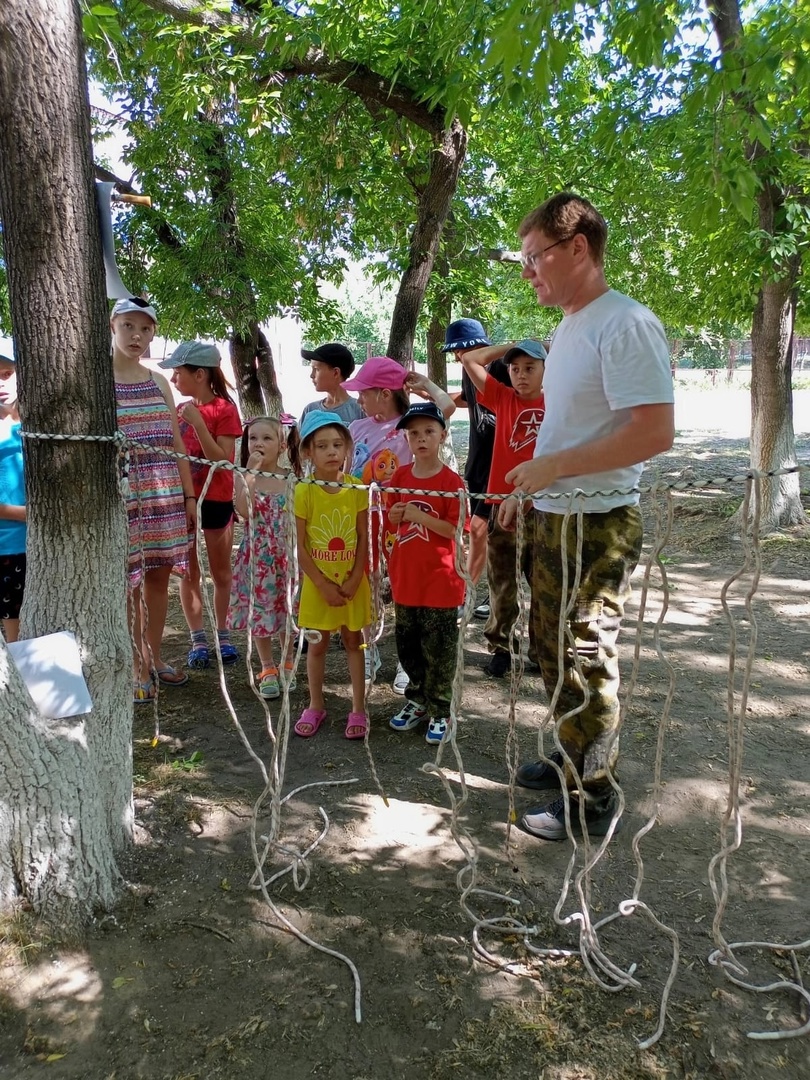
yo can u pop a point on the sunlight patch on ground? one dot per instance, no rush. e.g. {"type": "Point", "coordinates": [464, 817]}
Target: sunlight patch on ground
{"type": "Point", "coordinates": [66, 990]}
{"type": "Point", "coordinates": [408, 832]}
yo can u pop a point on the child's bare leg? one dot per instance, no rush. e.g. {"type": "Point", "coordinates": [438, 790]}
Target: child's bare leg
{"type": "Point", "coordinates": [316, 666]}
{"type": "Point", "coordinates": [353, 639]}
{"type": "Point", "coordinates": [264, 647]}
{"type": "Point", "coordinates": [190, 592]}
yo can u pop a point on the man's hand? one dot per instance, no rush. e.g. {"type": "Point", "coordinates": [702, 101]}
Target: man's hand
{"type": "Point", "coordinates": [535, 475]}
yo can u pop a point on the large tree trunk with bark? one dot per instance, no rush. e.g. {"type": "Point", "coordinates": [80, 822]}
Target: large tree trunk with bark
{"type": "Point", "coordinates": [65, 785]}
{"type": "Point", "coordinates": [772, 436]}
{"type": "Point", "coordinates": [434, 206]}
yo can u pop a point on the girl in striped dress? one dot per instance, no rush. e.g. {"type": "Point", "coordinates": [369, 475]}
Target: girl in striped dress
{"type": "Point", "coordinates": [161, 507]}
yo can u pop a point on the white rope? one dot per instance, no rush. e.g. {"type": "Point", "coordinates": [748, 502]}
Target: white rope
{"type": "Point", "coordinates": [602, 970]}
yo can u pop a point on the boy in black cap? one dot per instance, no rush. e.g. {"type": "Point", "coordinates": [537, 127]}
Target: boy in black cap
{"type": "Point", "coordinates": [426, 586]}
{"type": "Point", "coordinates": [330, 366]}
{"type": "Point", "coordinates": [460, 337]}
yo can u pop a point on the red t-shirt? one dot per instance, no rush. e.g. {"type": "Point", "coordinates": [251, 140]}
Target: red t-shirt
{"type": "Point", "coordinates": [517, 421]}
{"type": "Point", "coordinates": [221, 418]}
{"type": "Point", "coordinates": [421, 563]}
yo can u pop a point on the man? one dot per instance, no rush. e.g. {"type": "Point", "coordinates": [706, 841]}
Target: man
{"type": "Point", "coordinates": [609, 407]}
{"type": "Point", "coordinates": [460, 337]}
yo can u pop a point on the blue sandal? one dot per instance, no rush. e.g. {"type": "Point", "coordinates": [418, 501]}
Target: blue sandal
{"type": "Point", "coordinates": [198, 657]}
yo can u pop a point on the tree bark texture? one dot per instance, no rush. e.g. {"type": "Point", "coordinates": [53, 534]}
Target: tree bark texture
{"type": "Point", "coordinates": [772, 436]}
{"type": "Point", "coordinates": [65, 785]}
{"type": "Point", "coordinates": [255, 373]}
{"type": "Point", "coordinates": [434, 206]}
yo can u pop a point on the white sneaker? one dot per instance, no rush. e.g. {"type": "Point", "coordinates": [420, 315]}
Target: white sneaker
{"type": "Point", "coordinates": [409, 716]}
{"type": "Point", "coordinates": [372, 662]}
{"type": "Point", "coordinates": [401, 680]}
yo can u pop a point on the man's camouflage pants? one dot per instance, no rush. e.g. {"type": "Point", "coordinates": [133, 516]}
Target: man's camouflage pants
{"type": "Point", "coordinates": [611, 547]}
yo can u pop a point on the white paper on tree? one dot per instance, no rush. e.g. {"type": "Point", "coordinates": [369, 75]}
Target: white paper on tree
{"type": "Point", "coordinates": [51, 669]}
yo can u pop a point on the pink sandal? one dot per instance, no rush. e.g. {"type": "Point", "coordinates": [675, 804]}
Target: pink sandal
{"type": "Point", "coordinates": [356, 725]}
{"type": "Point", "coordinates": [308, 722]}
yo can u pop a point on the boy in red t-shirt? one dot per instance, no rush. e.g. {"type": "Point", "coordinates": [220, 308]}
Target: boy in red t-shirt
{"type": "Point", "coordinates": [426, 586]}
{"type": "Point", "coordinates": [519, 411]}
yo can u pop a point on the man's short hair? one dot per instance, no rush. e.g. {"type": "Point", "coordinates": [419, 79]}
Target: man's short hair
{"type": "Point", "coordinates": [563, 216]}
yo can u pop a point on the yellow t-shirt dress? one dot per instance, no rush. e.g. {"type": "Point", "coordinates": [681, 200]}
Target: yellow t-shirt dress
{"type": "Point", "coordinates": [331, 517]}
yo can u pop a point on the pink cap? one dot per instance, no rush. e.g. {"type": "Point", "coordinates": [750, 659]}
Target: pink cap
{"type": "Point", "coordinates": [378, 372]}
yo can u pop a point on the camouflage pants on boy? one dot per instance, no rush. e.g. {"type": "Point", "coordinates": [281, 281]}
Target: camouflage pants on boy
{"type": "Point", "coordinates": [426, 646]}
{"type": "Point", "coordinates": [502, 582]}
{"type": "Point", "coordinates": [611, 547]}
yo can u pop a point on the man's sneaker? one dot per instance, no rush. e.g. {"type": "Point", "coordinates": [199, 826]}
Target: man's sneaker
{"type": "Point", "coordinates": [548, 822]}
{"type": "Point", "coordinates": [401, 680]}
{"type": "Point", "coordinates": [409, 716]}
{"type": "Point", "coordinates": [436, 731]}
{"type": "Point", "coordinates": [539, 775]}
{"type": "Point", "coordinates": [498, 665]}
{"type": "Point", "coordinates": [482, 611]}
{"type": "Point", "coordinates": [268, 684]}
{"type": "Point", "coordinates": [372, 661]}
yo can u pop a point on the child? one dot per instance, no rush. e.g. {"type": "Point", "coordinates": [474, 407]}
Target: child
{"type": "Point", "coordinates": [12, 503]}
{"type": "Point", "coordinates": [330, 366]}
{"type": "Point", "coordinates": [426, 586]}
{"type": "Point", "coordinates": [519, 411]}
{"type": "Point", "coordinates": [262, 444]}
{"type": "Point", "coordinates": [161, 506]}
{"type": "Point", "coordinates": [380, 447]}
{"type": "Point", "coordinates": [210, 426]}
{"type": "Point", "coordinates": [332, 529]}
{"type": "Point", "coordinates": [462, 335]}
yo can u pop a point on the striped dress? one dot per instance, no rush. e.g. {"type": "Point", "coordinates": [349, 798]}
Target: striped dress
{"type": "Point", "coordinates": [158, 533]}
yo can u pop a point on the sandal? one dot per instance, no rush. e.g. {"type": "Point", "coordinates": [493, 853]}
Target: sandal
{"type": "Point", "coordinates": [308, 722]}
{"type": "Point", "coordinates": [144, 693]}
{"type": "Point", "coordinates": [169, 676]}
{"type": "Point", "coordinates": [198, 657]}
{"type": "Point", "coordinates": [268, 683]}
{"type": "Point", "coordinates": [356, 725]}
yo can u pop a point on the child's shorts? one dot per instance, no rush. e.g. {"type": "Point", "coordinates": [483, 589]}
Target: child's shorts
{"type": "Point", "coordinates": [12, 584]}
{"type": "Point", "coordinates": [215, 514]}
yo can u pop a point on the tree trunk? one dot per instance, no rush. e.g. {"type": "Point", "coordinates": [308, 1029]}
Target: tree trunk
{"type": "Point", "coordinates": [772, 437]}
{"type": "Point", "coordinates": [434, 206]}
{"type": "Point", "coordinates": [65, 786]}
{"type": "Point", "coordinates": [256, 383]}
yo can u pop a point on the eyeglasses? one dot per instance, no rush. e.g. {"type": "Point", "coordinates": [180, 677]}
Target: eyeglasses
{"type": "Point", "coordinates": [536, 256]}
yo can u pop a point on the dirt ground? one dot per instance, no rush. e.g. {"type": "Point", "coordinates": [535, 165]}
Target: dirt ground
{"type": "Point", "coordinates": [191, 977]}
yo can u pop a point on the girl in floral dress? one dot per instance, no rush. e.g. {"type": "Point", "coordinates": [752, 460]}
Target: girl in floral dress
{"type": "Point", "coordinates": [263, 542]}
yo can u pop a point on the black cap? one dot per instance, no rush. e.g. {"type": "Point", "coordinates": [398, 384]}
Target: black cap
{"type": "Point", "coordinates": [425, 409]}
{"type": "Point", "coordinates": [334, 354]}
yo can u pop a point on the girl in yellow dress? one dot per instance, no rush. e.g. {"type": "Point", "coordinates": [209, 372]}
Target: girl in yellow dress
{"type": "Point", "coordinates": [332, 531]}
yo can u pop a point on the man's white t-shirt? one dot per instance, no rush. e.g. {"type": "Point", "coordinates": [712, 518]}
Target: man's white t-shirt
{"type": "Point", "coordinates": [605, 359]}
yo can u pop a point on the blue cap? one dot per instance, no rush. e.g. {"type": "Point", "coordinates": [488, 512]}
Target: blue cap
{"type": "Point", "coordinates": [319, 418]}
{"type": "Point", "coordinates": [426, 410]}
{"type": "Point", "coordinates": [527, 347]}
{"type": "Point", "coordinates": [464, 334]}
